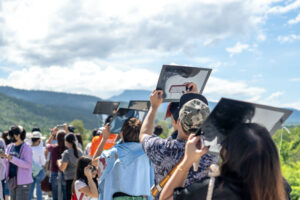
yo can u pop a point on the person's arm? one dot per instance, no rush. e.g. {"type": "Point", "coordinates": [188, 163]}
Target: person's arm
{"type": "Point", "coordinates": [62, 166]}
{"type": "Point", "coordinates": [91, 189]}
{"type": "Point", "coordinates": [192, 154]}
{"type": "Point", "coordinates": [22, 163]}
{"type": "Point", "coordinates": [63, 163]}
{"type": "Point", "coordinates": [148, 124]}
{"type": "Point", "coordinates": [52, 136]}
{"type": "Point", "coordinates": [105, 136]}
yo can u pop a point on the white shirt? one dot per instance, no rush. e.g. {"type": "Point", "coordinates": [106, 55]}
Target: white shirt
{"type": "Point", "coordinates": [88, 149]}
{"type": "Point", "coordinates": [78, 185]}
{"type": "Point", "coordinates": [38, 155]}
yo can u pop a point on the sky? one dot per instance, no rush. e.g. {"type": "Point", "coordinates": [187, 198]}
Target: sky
{"type": "Point", "coordinates": [101, 48]}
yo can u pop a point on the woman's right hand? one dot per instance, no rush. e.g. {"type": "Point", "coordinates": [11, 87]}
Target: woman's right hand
{"type": "Point", "coordinates": [193, 150]}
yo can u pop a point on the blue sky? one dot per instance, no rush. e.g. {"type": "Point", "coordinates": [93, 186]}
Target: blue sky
{"type": "Point", "coordinates": [102, 48]}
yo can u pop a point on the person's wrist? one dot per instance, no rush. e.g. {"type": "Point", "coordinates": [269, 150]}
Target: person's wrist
{"type": "Point", "coordinates": [187, 163]}
{"type": "Point", "coordinates": [185, 167]}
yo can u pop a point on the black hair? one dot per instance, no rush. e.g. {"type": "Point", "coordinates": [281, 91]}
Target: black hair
{"type": "Point", "coordinates": [17, 130]}
{"type": "Point", "coordinates": [108, 119]}
{"type": "Point", "coordinates": [79, 138]}
{"type": "Point", "coordinates": [95, 132]}
{"type": "Point", "coordinates": [35, 129]}
{"type": "Point", "coordinates": [250, 155]}
{"type": "Point", "coordinates": [81, 164]}
{"type": "Point", "coordinates": [34, 139]}
{"type": "Point", "coordinates": [72, 140]}
{"type": "Point", "coordinates": [71, 128]}
{"type": "Point", "coordinates": [5, 138]}
{"type": "Point", "coordinates": [158, 130]}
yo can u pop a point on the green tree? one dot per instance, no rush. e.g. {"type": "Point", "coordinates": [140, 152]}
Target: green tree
{"type": "Point", "coordinates": [78, 125]}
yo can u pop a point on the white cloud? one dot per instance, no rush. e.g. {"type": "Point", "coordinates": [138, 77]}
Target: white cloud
{"type": "Point", "coordinates": [88, 78]}
{"type": "Point", "coordinates": [237, 48]}
{"type": "Point", "coordinates": [261, 36]}
{"type": "Point", "coordinates": [240, 89]}
{"type": "Point", "coordinates": [288, 38]}
{"type": "Point", "coordinates": [274, 96]}
{"type": "Point", "coordinates": [286, 8]}
{"type": "Point", "coordinates": [295, 20]}
{"type": "Point", "coordinates": [294, 104]}
{"type": "Point", "coordinates": [60, 32]}
{"type": "Point", "coordinates": [84, 78]}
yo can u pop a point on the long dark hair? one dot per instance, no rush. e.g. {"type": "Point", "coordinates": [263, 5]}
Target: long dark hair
{"type": "Point", "coordinates": [250, 155]}
{"type": "Point", "coordinates": [81, 164]}
{"type": "Point", "coordinates": [60, 137]}
{"type": "Point", "coordinates": [72, 140]}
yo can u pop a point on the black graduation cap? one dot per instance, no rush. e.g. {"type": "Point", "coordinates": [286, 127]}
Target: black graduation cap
{"type": "Point", "coordinates": [230, 113]}
{"type": "Point", "coordinates": [139, 105]}
{"type": "Point", "coordinates": [105, 107]}
{"type": "Point", "coordinates": [172, 79]}
{"type": "Point", "coordinates": [122, 115]}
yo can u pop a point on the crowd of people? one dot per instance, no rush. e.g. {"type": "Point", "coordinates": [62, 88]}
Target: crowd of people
{"type": "Point", "coordinates": [137, 164]}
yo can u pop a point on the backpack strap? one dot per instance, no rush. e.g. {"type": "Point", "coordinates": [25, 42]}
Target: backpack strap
{"type": "Point", "coordinates": [81, 196]}
{"type": "Point", "coordinates": [214, 172]}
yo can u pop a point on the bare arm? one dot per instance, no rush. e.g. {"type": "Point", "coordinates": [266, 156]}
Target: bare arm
{"type": "Point", "coordinates": [148, 124]}
{"type": "Point", "coordinates": [192, 154]}
{"type": "Point", "coordinates": [52, 136]}
{"type": "Point", "coordinates": [91, 189]}
{"type": "Point", "coordinates": [62, 166]}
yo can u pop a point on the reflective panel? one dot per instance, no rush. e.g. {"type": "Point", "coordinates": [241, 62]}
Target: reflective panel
{"type": "Point", "coordinates": [139, 105]}
{"type": "Point", "coordinates": [172, 79]}
{"type": "Point", "coordinates": [105, 107]}
{"type": "Point", "coordinates": [122, 115]}
{"type": "Point", "coordinates": [230, 113]}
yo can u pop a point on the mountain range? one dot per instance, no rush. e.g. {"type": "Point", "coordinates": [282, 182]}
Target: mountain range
{"type": "Point", "coordinates": [47, 109]}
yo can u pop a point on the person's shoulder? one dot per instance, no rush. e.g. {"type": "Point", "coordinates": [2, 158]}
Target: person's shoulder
{"type": "Point", "coordinates": [79, 184]}
{"type": "Point", "coordinates": [96, 138]}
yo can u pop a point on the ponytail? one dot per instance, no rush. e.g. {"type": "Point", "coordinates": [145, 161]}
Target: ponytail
{"type": "Point", "coordinates": [72, 140]}
{"type": "Point", "coordinates": [75, 150]}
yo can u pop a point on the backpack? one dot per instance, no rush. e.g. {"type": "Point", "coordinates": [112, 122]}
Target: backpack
{"type": "Point", "coordinates": [74, 197]}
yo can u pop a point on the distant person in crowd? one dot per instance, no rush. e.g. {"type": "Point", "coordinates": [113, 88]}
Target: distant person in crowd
{"type": "Point", "coordinates": [5, 138]}
{"type": "Point", "coordinates": [69, 161]}
{"type": "Point", "coordinates": [165, 154]}
{"type": "Point", "coordinates": [2, 170]}
{"type": "Point", "coordinates": [18, 164]}
{"type": "Point", "coordinates": [38, 161]}
{"type": "Point", "coordinates": [79, 141]}
{"type": "Point", "coordinates": [173, 113]}
{"type": "Point", "coordinates": [56, 151]}
{"type": "Point", "coordinates": [85, 182]}
{"type": "Point", "coordinates": [126, 171]}
{"type": "Point", "coordinates": [158, 130]}
{"type": "Point", "coordinates": [249, 170]}
{"type": "Point", "coordinates": [70, 128]}
{"type": "Point", "coordinates": [96, 140]}
{"type": "Point", "coordinates": [39, 130]}
{"type": "Point", "coordinates": [88, 146]}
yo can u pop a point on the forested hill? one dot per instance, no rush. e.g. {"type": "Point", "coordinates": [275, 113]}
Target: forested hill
{"type": "Point", "coordinates": [28, 114]}
{"type": "Point", "coordinates": [85, 102]}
